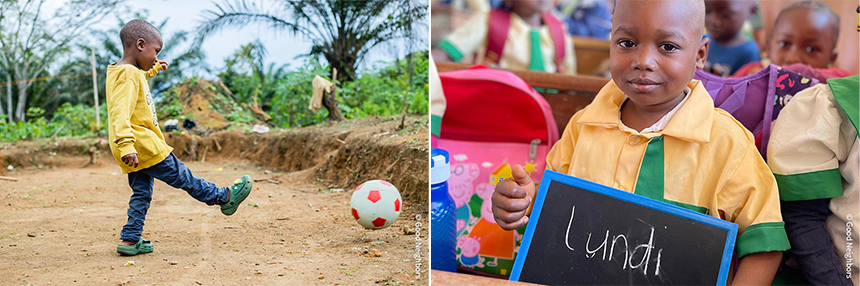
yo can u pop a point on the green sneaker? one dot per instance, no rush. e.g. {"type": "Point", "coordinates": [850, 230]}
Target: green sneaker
{"type": "Point", "coordinates": [238, 192]}
{"type": "Point", "coordinates": [142, 246]}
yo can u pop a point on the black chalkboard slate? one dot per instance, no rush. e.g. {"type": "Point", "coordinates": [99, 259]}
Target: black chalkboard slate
{"type": "Point", "coordinates": [666, 244]}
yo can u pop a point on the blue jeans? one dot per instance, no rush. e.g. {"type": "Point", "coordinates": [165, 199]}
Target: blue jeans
{"type": "Point", "coordinates": [174, 173]}
{"type": "Point", "coordinates": [810, 243]}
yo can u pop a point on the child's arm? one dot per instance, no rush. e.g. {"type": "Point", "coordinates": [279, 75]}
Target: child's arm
{"type": "Point", "coordinates": [750, 198]}
{"type": "Point", "coordinates": [757, 268]}
{"type": "Point", "coordinates": [466, 39]}
{"type": "Point", "coordinates": [121, 104]}
{"type": "Point", "coordinates": [809, 141]}
{"type": "Point", "coordinates": [159, 66]}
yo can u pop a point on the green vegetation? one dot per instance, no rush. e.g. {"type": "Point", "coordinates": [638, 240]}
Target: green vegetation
{"type": "Point", "coordinates": [48, 92]}
{"type": "Point", "coordinates": [383, 90]}
{"type": "Point", "coordinates": [68, 120]}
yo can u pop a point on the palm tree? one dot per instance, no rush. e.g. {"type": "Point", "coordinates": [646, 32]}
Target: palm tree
{"type": "Point", "coordinates": [342, 31]}
{"type": "Point", "coordinates": [250, 58]}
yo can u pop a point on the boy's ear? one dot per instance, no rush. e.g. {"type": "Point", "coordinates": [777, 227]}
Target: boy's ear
{"type": "Point", "coordinates": [833, 57]}
{"type": "Point", "coordinates": [140, 44]}
{"type": "Point", "coordinates": [702, 53]}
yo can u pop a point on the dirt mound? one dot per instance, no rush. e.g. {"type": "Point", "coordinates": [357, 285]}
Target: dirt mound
{"type": "Point", "coordinates": [209, 104]}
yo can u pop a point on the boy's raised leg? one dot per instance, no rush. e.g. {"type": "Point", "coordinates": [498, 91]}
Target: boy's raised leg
{"type": "Point", "coordinates": [174, 173]}
{"type": "Point", "coordinates": [177, 175]}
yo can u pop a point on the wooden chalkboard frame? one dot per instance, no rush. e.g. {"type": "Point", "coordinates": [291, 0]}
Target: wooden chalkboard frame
{"type": "Point", "coordinates": [550, 176]}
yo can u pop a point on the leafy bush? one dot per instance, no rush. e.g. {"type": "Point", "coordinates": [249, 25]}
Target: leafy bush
{"type": "Point", "coordinates": [68, 120]}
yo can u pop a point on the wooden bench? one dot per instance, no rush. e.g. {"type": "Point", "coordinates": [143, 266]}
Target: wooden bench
{"type": "Point", "coordinates": [575, 92]}
{"type": "Point", "coordinates": [590, 53]}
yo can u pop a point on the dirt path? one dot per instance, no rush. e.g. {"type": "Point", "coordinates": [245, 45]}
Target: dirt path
{"type": "Point", "coordinates": [61, 227]}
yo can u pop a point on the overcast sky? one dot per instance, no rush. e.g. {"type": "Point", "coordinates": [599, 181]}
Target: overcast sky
{"type": "Point", "coordinates": [282, 47]}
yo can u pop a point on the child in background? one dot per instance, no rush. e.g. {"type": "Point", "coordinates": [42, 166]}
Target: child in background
{"type": "Point", "coordinates": [654, 131]}
{"type": "Point", "coordinates": [137, 143]}
{"type": "Point", "coordinates": [805, 32]}
{"type": "Point", "coordinates": [530, 44]}
{"type": "Point", "coordinates": [729, 49]}
{"type": "Point", "coordinates": [813, 153]}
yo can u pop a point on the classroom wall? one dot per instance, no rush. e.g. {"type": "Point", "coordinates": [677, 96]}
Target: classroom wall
{"type": "Point", "coordinates": [849, 38]}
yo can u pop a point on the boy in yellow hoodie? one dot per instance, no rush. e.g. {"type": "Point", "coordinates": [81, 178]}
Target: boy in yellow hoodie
{"type": "Point", "coordinates": [137, 143]}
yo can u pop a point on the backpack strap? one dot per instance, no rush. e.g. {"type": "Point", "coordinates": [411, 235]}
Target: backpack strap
{"type": "Point", "coordinates": [497, 35]}
{"type": "Point", "coordinates": [556, 31]}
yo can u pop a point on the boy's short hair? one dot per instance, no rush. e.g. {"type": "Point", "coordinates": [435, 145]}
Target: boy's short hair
{"type": "Point", "coordinates": [699, 7]}
{"type": "Point", "coordinates": [137, 29]}
{"type": "Point", "coordinates": [817, 7]}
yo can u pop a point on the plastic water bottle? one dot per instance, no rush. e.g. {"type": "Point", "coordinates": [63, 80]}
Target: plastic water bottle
{"type": "Point", "coordinates": [443, 220]}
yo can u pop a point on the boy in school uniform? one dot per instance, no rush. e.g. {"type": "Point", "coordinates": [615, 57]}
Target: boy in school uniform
{"type": "Point", "coordinates": [137, 143]}
{"type": "Point", "coordinates": [530, 43]}
{"type": "Point", "coordinates": [814, 155]}
{"type": "Point", "coordinates": [729, 48]}
{"type": "Point", "coordinates": [654, 131]}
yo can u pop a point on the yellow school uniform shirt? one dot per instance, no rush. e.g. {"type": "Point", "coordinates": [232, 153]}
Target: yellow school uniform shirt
{"type": "Point", "coordinates": [517, 52]}
{"type": "Point", "coordinates": [132, 122]}
{"type": "Point", "coordinates": [703, 160]}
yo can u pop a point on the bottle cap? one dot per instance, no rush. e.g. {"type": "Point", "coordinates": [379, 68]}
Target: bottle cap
{"type": "Point", "coordinates": [440, 168]}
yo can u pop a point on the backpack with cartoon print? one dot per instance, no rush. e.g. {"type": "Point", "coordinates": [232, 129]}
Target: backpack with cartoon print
{"type": "Point", "coordinates": [493, 120]}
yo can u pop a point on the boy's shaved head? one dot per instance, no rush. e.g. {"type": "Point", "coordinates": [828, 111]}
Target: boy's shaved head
{"type": "Point", "coordinates": [695, 9]}
{"type": "Point", "coordinates": [138, 29]}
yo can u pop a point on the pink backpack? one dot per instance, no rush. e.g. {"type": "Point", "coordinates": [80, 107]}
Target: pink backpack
{"type": "Point", "coordinates": [492, 120]}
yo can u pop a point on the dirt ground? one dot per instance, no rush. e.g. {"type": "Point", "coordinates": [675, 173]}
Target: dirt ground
{"type": "Point", "coordinates": [60, 223]}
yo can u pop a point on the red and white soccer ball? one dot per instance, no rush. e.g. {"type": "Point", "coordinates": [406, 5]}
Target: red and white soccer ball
{"type": "Point", "coordinates": [376, 204]}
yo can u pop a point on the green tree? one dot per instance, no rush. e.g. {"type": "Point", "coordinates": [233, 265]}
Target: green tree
{"type": "Point", "coordinates": [342, 31]}
{"type": "Point", "coordinates": [29, 41]}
